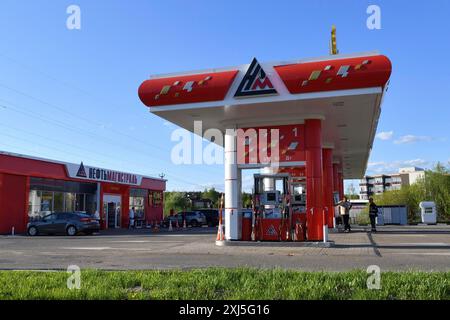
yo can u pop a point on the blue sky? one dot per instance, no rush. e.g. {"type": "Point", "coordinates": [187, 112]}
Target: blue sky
{"type": "Point", "coordinates": [71, 95]}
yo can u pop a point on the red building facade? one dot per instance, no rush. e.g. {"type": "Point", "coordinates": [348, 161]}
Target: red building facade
{"type": "Point", "coordinates": [30, 187]}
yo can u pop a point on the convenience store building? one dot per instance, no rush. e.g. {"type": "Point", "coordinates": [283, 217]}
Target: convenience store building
{"type": "Point", "coordinates": [31, 186]}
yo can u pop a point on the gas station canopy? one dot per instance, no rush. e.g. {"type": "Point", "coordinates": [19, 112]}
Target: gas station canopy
{"type": "Point", "coordinates": [344, 91]}
{"type": "Point", "coordinates": [322, 114]}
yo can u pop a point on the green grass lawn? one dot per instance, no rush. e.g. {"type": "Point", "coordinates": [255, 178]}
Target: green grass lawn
{"type": "Point", "coordinates": [221, 283]}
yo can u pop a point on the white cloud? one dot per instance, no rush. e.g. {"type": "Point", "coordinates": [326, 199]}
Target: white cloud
{"type": "Point", "coordinates": [409, 138]}
{"type": "Point", "coordinates": [392, 167]}
{"type": "Point", "coordinates": [375, 164]}
{"type": "Point", "coordinates": [416, 162]}
{"type": "Point", "coordinates": [385, 135]}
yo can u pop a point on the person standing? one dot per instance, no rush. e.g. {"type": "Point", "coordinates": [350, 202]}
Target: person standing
{"type": "Point", "coordinates": [373, 213]}
{"type": "Point", "coordinates": [131, 217]}
{"type": "Point", "coordinates": [344, 210]}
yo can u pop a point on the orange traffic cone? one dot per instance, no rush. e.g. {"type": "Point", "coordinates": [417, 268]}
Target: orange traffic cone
{"type": "Point", "coordinates": [220, 232]}
{"type": "Point", "coordinates": [170, 226]}
{"type": "Point", "coordinates": [220, 235]}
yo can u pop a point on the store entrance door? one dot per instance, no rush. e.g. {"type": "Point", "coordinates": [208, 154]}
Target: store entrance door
{"type": "Point", "coordinates": [112, 210]}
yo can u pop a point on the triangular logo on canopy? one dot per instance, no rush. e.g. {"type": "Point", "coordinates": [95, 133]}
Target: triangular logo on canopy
{"type": "Point", "coordinates": [255, 82]}
{"type": "Point", "coordinates": [81, 171]}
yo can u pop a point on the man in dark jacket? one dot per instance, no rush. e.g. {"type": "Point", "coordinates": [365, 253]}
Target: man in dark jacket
{"type": "Point", "coordinates": [373, 213]}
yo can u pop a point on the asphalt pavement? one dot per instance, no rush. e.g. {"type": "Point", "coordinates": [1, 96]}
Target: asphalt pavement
{"type": "Point", "coordinates": [392, 248]}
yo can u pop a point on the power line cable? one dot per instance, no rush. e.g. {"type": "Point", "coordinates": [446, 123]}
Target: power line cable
{"type": "Point", "coordinates": [61, 124]}
{"type": "Point", "coordinates": [75, 154]}
{"type": "Point", "coordinates": [70, 86]}
{"type": "Point", "coordinates": [72, 114]}
{"type": "Point", "coordinates": [78, 155]}
{"type": "Point", "coordinates": [45, 146]}
{"type": "Point", "coordinates": [92, 122]}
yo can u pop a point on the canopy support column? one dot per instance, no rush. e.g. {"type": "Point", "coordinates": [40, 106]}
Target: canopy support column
{"type": "Point", "coordinates": [232, 190]}
{"type": "Point", "coordinates": [314, 172]}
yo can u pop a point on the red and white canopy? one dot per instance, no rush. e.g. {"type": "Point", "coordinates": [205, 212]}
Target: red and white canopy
{"type": "Point", "coordinates": [345, 91]}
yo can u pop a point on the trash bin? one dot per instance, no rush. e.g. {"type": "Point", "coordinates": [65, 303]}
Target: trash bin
{"type": "Point", "coordinates": [428, 212]}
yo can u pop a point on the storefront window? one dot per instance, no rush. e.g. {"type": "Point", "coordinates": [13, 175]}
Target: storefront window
{"type": "Point", "coordinates": [34, 205]}
{"type": "Point", "coordinates": [137, 200]}
{"type": "Point", "coordinates": [155, 198]}
{"type": "Point", "coordinates": [138, 204]}
{"type": "Point", "coordinates": [48, 195]}
{"type": "Point", "coordinates": [46, 201]}
{"type": "Point", "coordinates": [91, 204]}
{"type": "Point", "coordinates": [69, 202]}
{"type": "Point", "coordinates": [58, 201]}
{"type": "Point", "coordinates": [80, 202]}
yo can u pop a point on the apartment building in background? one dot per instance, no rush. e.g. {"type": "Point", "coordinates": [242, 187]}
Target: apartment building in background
{"type": "Point", "coordinates": [376, 184]}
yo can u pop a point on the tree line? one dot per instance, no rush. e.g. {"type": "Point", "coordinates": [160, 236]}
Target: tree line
{"type": "Point", "coordinates": [434, 186]}
{"type": "Point", "coordinates": [183, 200]}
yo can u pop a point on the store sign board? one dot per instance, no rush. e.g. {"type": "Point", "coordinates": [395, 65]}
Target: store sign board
{"type": "Point", "coordinates": [82, 171]}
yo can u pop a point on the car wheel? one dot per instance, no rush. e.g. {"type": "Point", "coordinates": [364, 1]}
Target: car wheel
{"type": "Point", "coordinates": [32, 231]}
{"type": "Point", "coordinates": [194, 223]}
{"type": "Point", "coordinates": [71, 231]}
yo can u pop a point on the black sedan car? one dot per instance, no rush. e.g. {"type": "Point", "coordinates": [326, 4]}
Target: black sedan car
{"type": "Point", "coordinates": [69, 223]}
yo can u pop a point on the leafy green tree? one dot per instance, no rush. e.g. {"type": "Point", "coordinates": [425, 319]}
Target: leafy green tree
{"type": "Point", "coordinates": [213, 195]}
{"type": "Point", "coordinates": [351, 192]}
{"type": "Point", "coordinates": [409, 196]}
{"type": "Point", "coordinates": [246, 200]}
{"type": "Point", "coordinates": [175, 200]}
{"type": "Point", "coordinates": [435, 186]}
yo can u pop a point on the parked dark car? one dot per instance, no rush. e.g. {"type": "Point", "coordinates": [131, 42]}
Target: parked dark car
{"type": "Point", "coordinates": [212, 216]}
{"type": "Point", "coordinates": [173, 219]}
{"type": "Point", "coordinates": [193, 219]}
{"type": "Point", "coordinates": [69, 223]}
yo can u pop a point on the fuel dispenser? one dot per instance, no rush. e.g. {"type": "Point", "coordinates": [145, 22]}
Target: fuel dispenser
{"type": "Point", "coordinates": [298, 207]}
{"type": "Point", "coordinates": [272, 218]}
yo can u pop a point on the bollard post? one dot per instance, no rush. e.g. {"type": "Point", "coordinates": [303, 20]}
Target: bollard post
{"type": "Point", "coordinates": [325, 225]}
